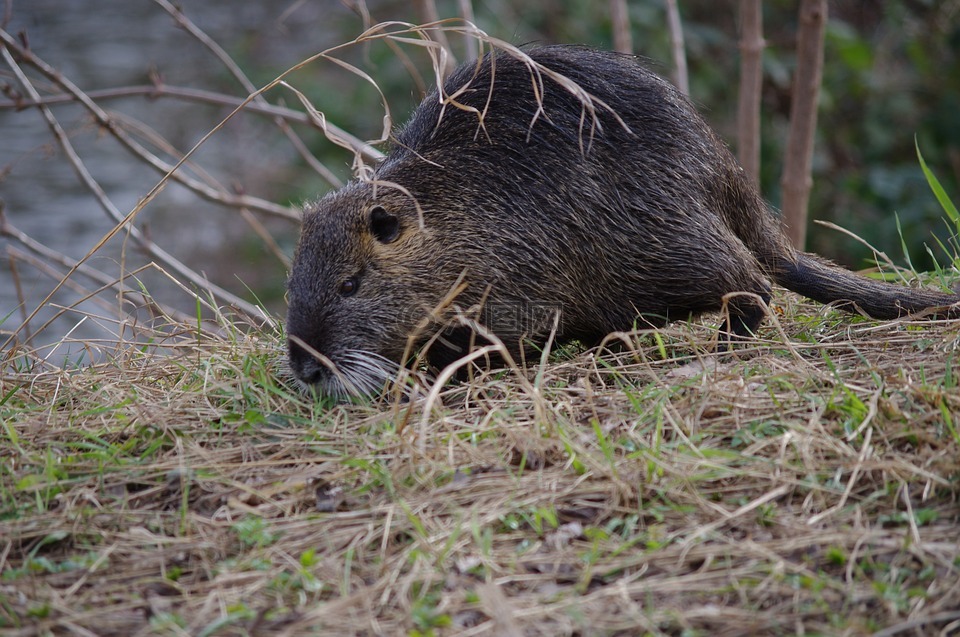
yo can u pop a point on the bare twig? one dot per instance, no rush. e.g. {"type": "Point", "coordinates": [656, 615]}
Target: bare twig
{"type": "Point", "coordinates": [208, 187]}
{"type": "Point", "coordinates": [265, 236]}
{"type": "Point", "coordinates": [796, 179]}
{"type": "Point", "coordinates": [55, 274]}
{"type": "Point", "coordinates": [190, 27]}
{"type": "Point", "coordinates": [17, 53]}
{"type": "Point", "coordinates": [105, 120]}
{"type": "Point", "coordinates": [154, 91]}
{"type": "Point", "coordinates": [121, 221]}
{"type": "Point", "coordinates": [360, 8]}
{"type": "Point", "coordinates": [47, 255]}
{"type": "Point", "coordinates": [95, 295]}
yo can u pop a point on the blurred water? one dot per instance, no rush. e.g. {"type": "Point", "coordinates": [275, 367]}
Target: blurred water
{"type": "Point", "coordinates": [114, 43]}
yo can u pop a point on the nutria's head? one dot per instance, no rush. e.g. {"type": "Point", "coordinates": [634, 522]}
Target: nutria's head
{"type": "Point", "coordinates": [357, 289]}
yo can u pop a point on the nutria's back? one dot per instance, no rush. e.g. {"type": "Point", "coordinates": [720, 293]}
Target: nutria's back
{"type": "Point", "coordinates": [614, 208]}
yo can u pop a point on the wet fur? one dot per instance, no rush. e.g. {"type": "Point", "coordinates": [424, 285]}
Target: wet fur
{"type": "Point", "coordinates": [642, 217]}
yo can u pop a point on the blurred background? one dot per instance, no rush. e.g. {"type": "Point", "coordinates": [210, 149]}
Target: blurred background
{"type": "Point", "coordinates": [892, 75]}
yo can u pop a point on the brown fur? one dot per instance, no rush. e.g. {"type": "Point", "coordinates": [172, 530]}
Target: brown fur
{"type": "Point", "coordinates": [618, 210]}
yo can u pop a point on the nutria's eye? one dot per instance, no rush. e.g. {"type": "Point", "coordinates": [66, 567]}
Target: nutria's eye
{"type": "Point", "coordinates": [349, 287]}
{"type": "Point", "coordinates": [384, 226]}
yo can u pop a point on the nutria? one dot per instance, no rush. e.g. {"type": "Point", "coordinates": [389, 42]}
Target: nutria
{"type": "Point", "coordinates": [616, 205]}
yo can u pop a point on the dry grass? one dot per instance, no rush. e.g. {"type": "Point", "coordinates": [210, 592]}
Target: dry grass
{"type": "Point", "coordinates": [806, 485]}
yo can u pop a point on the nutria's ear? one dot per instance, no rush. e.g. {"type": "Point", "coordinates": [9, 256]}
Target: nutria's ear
{"type": "Point", "coordinates": [384, 226]}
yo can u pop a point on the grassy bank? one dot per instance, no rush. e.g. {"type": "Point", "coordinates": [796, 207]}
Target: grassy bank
{"type": "Point", "coordinates": [806, 484]}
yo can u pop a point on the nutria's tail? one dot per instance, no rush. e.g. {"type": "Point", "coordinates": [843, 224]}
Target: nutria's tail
{"type": "Point", "coordinates": [823, 281]}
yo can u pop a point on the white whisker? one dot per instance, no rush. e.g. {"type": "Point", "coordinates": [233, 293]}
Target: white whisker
{"type": "Point", "coordinates": [355, 373]}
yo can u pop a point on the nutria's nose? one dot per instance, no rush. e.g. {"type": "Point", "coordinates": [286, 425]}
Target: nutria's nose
{"type": "Point", "coordinates": [303, 364]}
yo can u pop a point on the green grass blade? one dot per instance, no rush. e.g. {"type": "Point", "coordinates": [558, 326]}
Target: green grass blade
{"type": "Point", "coordinates": [937, 189]}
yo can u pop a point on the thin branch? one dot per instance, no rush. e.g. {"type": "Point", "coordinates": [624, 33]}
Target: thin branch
{"type": "Point", "coordinates": [106, 283]}
{"type": "Point", "coordinates": [95, 295]}
{"type": "Point", "coordinates": [106, 121]}
{"type": "Point", "coordinates": [190, 27]}
{"type": "Point", "coordinates": [121, 221]}
{"type": "Point", "coordinates": [154, 91]}
{"type": "Point", "coordinates": [208, 187]}
{"type": "Point", "coordinates": [265, 236]}
{"type": "Point", "coordinates": [52, 256]}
